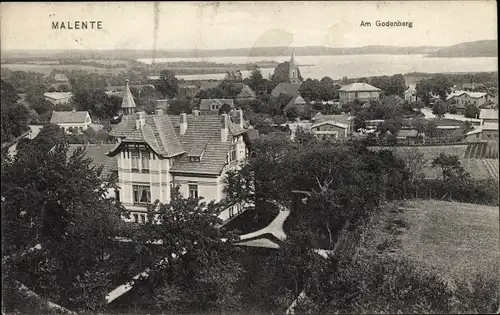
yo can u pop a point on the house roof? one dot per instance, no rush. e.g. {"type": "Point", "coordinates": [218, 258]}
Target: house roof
{"type": "Point", "coordinates": [488, 113]}
{"type": "Point", "coordinates": [128, 98]}
{"type": "Point", "coordinates": [69, 117]}
{"type": "Point", "coordinates": [158, 132]}
{"type": "Point", "coordinates": [470, 94]}
{"type": "Point", "coordinates": [60, 77]}
{"type": "Point", "coordinates": [297, 100]}
{"type": "Point", "coordinates": [359, 87]}
{"type": "Point", "coordinates": [291, 89]}
{"type": "Point", "coordinates": [490, 126]}
{"type": "Point", "coordinates": [404, 133]}
{"type": "Point", "coordinates": [98, 154]}
{"type": "Point", "coordinates": [246, 92]}
{"type": "Point", "coordinates": [58, 95]}
{"type": "Point", "coordinates": [209, 85]}
{"type": "Point", "coordinates": [343, 119]}
{"type": "Point", "coordinates": [206, 103]}
{"type": "Point", "coordinates": [203, 134]}
{"type": "Point", "coordinates": [330, 122]}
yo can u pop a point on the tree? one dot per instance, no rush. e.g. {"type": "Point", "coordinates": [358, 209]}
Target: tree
{"type": "Point", "coordinates": [292, 113]}
{"type": "Point", "coordinates": [192, 280]}
{"type": "Point", "coordinates": [439, 108]}
{"type": "Point", "coordinates": [256, 82]}
{"type": "Point", "coordinates": [167, 85]}
{"type": "Point", "coordinates": [178, 107]}
{"type": "Point", "coordinates": [15, 116]}
{"type": "Point", "coordinates": [61, 246]}
{"type": "Point", "coordinates": [393, 85]}
{"type": "Point", "coordinates": [450, 166]}
{"type": "Point", "coordinates": [471, 111]}
{"type": "Point", "coordinates": [225, 108]}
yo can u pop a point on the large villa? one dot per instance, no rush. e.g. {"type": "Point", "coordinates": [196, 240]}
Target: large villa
{"type": "Point", "coordinates": [155, 153]}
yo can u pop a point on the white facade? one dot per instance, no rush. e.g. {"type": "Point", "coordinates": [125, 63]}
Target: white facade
{"type": "Point", "coordinates": [144, 177]}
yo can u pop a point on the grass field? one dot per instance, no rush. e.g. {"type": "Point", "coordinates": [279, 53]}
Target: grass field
{"type": "Point", "coordinates": [457, 240]}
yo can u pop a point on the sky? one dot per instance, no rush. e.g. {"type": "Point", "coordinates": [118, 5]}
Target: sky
{"type": "Point", "coordinates": [218, 25]}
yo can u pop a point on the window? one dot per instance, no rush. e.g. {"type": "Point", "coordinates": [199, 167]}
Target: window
{"type": "Point", "coordinates": [194, 159]}
{"type": "Point", "coordinates": [135, 161]}
{"type": "Point", "coordinates": [117, 194]}
{"type": "Point", "coordinates": [193, 191]}
{"type": "Point", "coordinates": [145, 162]}
{"type": "Point", "coordinates": [143, 218]}
{"type": "Point", "coordinates": [355, 94]}
{"type": "Point", "coordinates": [142, 194]}
{"type": "Point", "coordinates": [232, 153]}
{"type": "Point", "coordinates": [214, 107]}
{"type": "Point", "coordinates": [136, 217]}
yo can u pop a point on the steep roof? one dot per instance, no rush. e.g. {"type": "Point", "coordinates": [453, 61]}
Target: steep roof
{"type": "Point", "coordinates": [359, 87]}
{"type": "Point", "coordinates": [488, 113]}
{"type": "Point", "coordinates": [291, 89]}
{"type": "Point", "coordinates": [128, 98]}
{"type": "Point", "coordinates": [206, 103]}
{"type": "Point", "coordinates": [209, 85]}
{"type": "Point", "coordinates": [73, 117]}
{"type": "Point", "coordinates": [157, 131]}
{"type": "Point", "coordinates": [202, 138]}
{"type": "Point", "coordinates": [246, 92]}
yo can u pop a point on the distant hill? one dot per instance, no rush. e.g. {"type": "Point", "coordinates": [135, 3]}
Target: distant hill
{"type": "Point", "coordinates": [481, 48]}
{"type": "Point", "coordinates": [20, 55]}
{"type": "Point", "coordinates": [485, 48]}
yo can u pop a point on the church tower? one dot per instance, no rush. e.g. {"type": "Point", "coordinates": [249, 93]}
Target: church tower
{"type": "Point", "coordinates": [293, 71]}
{"type": "Point", "coordinates": [128, 103]}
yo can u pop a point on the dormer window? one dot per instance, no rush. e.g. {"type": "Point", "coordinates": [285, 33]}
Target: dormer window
{"type": "Point", "coordinates": [194, 159]}
{"type": "Point", "coordinates": [214, 106]}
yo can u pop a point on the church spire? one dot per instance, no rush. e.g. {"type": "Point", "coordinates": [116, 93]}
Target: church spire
{"type": "Point", "coordinates": [128, 103]}
{"type": "Point", "coordinates": [293, 70]}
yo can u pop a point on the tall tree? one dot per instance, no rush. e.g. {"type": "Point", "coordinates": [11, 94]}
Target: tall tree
{"type": "Point", "coordinates": [439, 108]}
{"type": "Point", "coordinates": [168, 84]}
{"type": "Point", "coordinates": [60, 247]}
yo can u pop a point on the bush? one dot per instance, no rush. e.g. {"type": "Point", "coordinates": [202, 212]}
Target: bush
{"type": "Point", "coordinates": [380, 284]}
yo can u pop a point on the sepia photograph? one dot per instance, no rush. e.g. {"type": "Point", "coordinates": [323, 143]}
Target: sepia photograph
{"type": "Point", "coordinates": [250, 157]}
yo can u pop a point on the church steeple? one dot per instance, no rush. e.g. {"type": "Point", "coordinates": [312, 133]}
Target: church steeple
{"type": "Point", "coordinates": [293, 71]}
{"type": "Point", "coordinates": [128, 103]}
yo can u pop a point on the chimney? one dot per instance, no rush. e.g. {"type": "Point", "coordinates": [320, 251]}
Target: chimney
{"type": "Point", "coordinates": [159, 111]}
{"type": "Point", "coordinates": [183, 123]}
{"type": "Point", "coordinates": [224, 131]}
{"type": "Point", "coordinates": [196, 112]}
{"type": "Point", "coordinates": [140, 120]}
{"type": "Point", "coordinates": [239, 112]}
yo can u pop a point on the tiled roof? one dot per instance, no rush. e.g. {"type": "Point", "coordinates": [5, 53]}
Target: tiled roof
{"type": "Point", "coordinates": [488, 113]}
{"type": "Point", "coordinates": [68, 117]}
{"type": "Point", "coordinates": [297, 100]}
{"type": "Point", "coordinates": [205, 103]}
{"type": "Point", "coordinates": [158, 132]}
{"type": "Point", "coordinates": [58, 95]}
{"type": "Point", "coordinates": [203, 135]}
{"type": "Point", "coordinates": [246, 92]}
{"type": "Point", "coordinates": [359, 87]}
{"type": "Point", "coordinates": [286, 88]}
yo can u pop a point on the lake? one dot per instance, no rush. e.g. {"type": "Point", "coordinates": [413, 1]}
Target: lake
{"type": "Point", "coordinates": [351, 66]}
